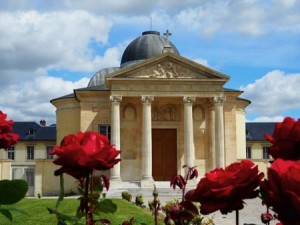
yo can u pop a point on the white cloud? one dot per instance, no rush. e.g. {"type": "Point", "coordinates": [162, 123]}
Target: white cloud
{"type": "Point", "coordinates": [31, 40]}
{"type": "Point", "coordinates": [273, 94]}
{"type": "Point", "coordinates": [267, 119]}
{"type": "Point", "coordinates": [30, 100]}
{"type": "Point", "coordinates": [245, 17]}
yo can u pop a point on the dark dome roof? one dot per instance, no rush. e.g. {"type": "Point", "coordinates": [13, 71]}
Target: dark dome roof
{"type": "Point", "coordinates": [99, 77]}
{"type": "Point", "coordinates": [149, 45]}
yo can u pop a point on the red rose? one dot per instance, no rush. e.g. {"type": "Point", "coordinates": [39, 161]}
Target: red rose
{"type": "Point", "coordinates": [285, 140]}
{"type": "Point", "coordinates": [7, 138]}
{"type": "Point", "coordinates": [80, 154]}
{"type": "Point", "coordinates": [282, 190]}
{"type": "Point", "coordinates": [225, 189]}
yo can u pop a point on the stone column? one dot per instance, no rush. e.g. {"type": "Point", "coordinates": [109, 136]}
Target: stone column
{"type": "Point", "coordinates": [189, 148]}
{"type": "Point", "coordinates": [147, 179]}
{"type": "Point", "coordinates": [115, 135]}
{"type": "Point", "coordinates": [219, 131]}
{"type": "Point", "coordinates": [210, 153]}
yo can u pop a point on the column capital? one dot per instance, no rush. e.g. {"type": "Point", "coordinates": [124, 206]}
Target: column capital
{"type": "Point", "coordinates": [218, 99]}
{"type": "Point", "coordinates": [115, 98]}
{"type": "Point", "coordinates": [187, 99]}
{"type": "Point", "coordinates": [210, 104]}
{"type": "Point", "coordinates": [147, 99]}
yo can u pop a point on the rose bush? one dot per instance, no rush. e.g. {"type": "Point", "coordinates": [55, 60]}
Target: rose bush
{"type": "Point", "coordinates": [80, 154]}
{"type": "Point", "coordinates": [7, 138]}
{"type": "Point", "coordinates": [225, 189]}
{"type": "Point", "coordinates": [281, 191]}
{"type": "Point", "coordinates": [285, 140]}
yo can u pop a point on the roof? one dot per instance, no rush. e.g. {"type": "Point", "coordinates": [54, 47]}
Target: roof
{"type": "Point", "coordinates": [31, 131]}
{"type": "Point", "coordinates": [72, 95]}
{"type": "Point", "coordinates": [99, 77]}
{"type": "Point", "coordinates": [147, 46]}
{"type": "Point", "coordinates": [101, 87]}
{"type": "Point", "coordinates": [256, 131]}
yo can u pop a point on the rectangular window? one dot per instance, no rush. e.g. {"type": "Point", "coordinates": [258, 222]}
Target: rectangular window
{"type": "Point", "coordinates": [48, 150]}
{"type": "Point", "coordinates": [105, 130]}
{"type": "Point", "coordinates": [248, 152]}
{"type": "Point", "coordinates": [11, 153]}
{"type": "Point", "coordinates": [265, 152]}
{"type": "Point", "coordinates": [30, 153]}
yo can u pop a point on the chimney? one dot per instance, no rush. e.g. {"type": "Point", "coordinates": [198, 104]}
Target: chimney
{"type": "Point", "coordinates": [43, 123]}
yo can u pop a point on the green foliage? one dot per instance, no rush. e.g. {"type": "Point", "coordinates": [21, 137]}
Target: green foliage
{"type": "Point", "coordinates": [197, 220]}
{"type": "Point", "coordinates": [38, 214]}
{"type": "Point", "coordinates": [150, 205]}
{"type": "Point", "coordinates": [11, 192]}
{"type": "Point", "coordinates": [127, 196]}
{"type": "Point", "coordinates": [107, 206]}
{"type": "Point", "coordinates": [170, 203]}
{"type": "Point", "coordinates": [139, 201]}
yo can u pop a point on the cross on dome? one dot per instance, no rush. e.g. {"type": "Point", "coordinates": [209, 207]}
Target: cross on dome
{"type": "Point", "coordinates": [167, 34]}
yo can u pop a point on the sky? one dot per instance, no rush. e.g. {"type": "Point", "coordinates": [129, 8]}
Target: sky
{"type": "Point", "coordinates": [50, 47]}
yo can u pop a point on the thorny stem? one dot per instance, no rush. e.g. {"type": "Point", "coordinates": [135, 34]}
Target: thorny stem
{"type": "Point", "coordinates": [237, 217]}
{"type": "Point", "coordinates": [87, 216]}
{"type": "Point", "coordinates": [268, 212]}
{"type": "Point", "coordinates": [185, 183]}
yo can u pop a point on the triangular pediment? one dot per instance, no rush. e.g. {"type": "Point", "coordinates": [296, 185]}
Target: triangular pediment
{"type": "Point", "coordinates": [168, 66]}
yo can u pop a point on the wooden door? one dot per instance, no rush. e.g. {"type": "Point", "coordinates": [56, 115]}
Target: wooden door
{"type": "Point", "coordinates": [164, 154]}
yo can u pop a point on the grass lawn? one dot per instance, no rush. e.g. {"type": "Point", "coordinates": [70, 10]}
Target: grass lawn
{"type": "Point", "coordinates": [39, 215]}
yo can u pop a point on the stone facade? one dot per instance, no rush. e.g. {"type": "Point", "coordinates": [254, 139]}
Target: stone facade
{"type": "Point", "coordinates": [164, 92]}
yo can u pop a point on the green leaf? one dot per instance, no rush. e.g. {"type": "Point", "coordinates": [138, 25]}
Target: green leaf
{"type": "Point", "coordinates": [107, 206]}
{"type": "Point", "coordinates": [12, 191]}
{"type": "Point", "coordinates": [6, 213]}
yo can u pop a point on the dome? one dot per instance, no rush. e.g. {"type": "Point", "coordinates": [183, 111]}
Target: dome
{"type": "Point", "coordinates": [99, 77]}
{"type": "Point", "coordinates": [149, 45]}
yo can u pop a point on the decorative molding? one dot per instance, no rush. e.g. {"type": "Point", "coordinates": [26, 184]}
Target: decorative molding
{"type": "Point", "coordinates": [210, 104]}
{"type": "Point", "coordinates": [147, 99]}
{"type": "Point", "coordinates": [219, 100]}
{"type": "Point", "coordinates": [114, 98]}
{"type": "Point", "coordinates": [167, 70]}
{"type": "Point", "coordinates": [166, 112]}
{"type": "Point", "coordinates": [187, 99]}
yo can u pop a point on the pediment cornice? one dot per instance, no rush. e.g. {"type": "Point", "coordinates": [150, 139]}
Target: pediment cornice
{"type": "Point", "coordinates": [169, 67]}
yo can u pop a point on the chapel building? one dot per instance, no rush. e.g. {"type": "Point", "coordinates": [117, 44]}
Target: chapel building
{"type": "Point", "coordinates": [162, 110]}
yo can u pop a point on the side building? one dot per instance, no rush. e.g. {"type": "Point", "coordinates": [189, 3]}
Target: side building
{"type": "Point", "coordinates": [257, 147]}
{"type": "Point", "coordinates": [20, 161]}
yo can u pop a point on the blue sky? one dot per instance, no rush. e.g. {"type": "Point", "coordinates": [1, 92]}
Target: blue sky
{"type": "Point", "coordinates": [48, 48]}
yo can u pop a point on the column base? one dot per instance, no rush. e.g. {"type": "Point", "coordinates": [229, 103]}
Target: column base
{"type": "Point", "coordinates": [115, 182]}
{"type": "Point", "coordinates": [147, 182]}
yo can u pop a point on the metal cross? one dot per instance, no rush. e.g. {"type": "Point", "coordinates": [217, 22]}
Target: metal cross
{"type": "Point", "coordinates": [167, 34]}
